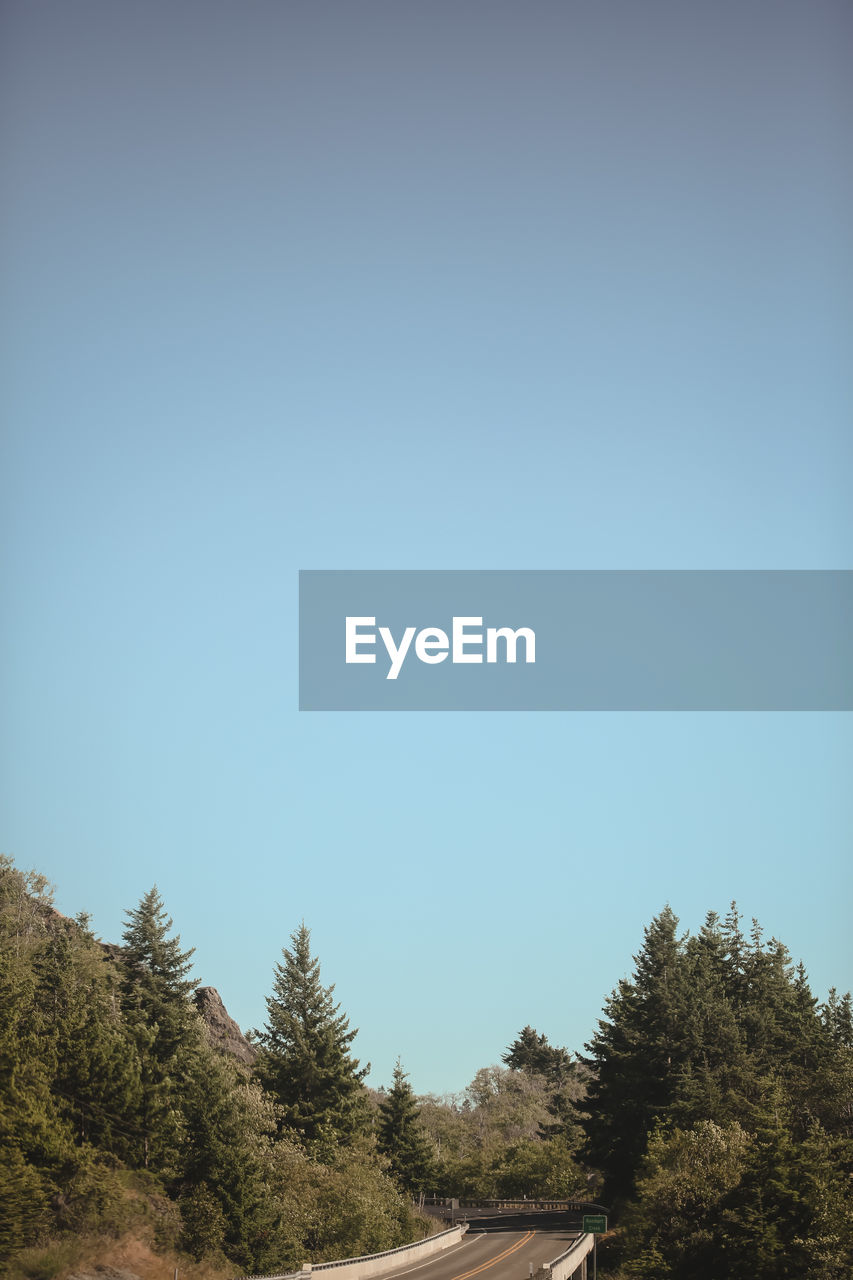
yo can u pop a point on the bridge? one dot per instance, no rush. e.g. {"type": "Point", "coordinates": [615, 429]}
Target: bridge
{"type": "Point", "coordinates": [495, 1240]}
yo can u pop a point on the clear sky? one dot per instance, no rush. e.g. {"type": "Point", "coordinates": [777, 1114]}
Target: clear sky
{"type": "Point", "coordinates": [399, 285]}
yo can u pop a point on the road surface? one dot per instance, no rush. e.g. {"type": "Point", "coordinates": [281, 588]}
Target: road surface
{"type": "Point", "coordinates": [503, 1252]}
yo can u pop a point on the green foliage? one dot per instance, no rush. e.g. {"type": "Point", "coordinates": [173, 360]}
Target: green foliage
{"type": "Point", "coordinates": [791, 1214]}
{"type": "Point", "coordinates": [722, 1095]}
{"type": "Point", "coordinates": [23, 1200]}
{"type": "Point", "coordinates": [351, 1207]}
{"type": "Point", "coordinates": [492, 1142]}
{"type": "Point", "coordinates": [637, 1055]}
{"type": "Point", "coordinates": [93, 1060]}
{"type": "Point", "coordinates": [531, 1167]}
{"type": "Point", "coordinates": [837, 1016]}
{"type": "Point", "coordinates": [204, 1224]}
{"type": "Point", "coordinates": [157, 959]}
{"type": "Point", "coordinates": [36, 1139]}
{"type": "Point", "coordinates": [164, 1030]}
{"type": "Point", "coordinates": [701, 1032]}
{"type": "Point", "coordinates": [306, 1061]}
{"type": "Point", "coordinates": [116, 1114]}
{"type": "Point", "coordinates": [403, 1139]}
{"type": "Point", "coordinates": [717, 1093]}
{"type": "Point", "coordinates": [532, 1054]}
{"type": "Point", "coordinates": [341, 1207]}
{"type": "Point", "coordinates": [672, 1228]}
{"type": "Point", "coordinates": [715, 1200]}
{"type": "Point", "coordinates": [226, 1165]}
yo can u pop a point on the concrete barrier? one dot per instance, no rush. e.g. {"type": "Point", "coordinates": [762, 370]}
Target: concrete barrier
{"type": "Point", "coordinates": [568, 1263]}
{"type": "Point", "coordinates": [374, 1264]}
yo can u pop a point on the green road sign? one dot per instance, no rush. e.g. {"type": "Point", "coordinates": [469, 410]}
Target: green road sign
{"type": "Point", "coordinates": [594, 1223]}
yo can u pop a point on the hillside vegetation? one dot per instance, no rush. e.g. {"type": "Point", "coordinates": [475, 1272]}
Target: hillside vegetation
{"type": "Point", "coordinates": [712, 1110]}
{"type": "Point", "coordinates": [117, 1116]}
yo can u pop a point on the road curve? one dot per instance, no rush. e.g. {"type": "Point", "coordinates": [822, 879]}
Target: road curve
{"type": "Point", "coordinates": [490, 1255]}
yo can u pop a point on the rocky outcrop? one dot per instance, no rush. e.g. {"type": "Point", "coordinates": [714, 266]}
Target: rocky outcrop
{"type": "Point", "coordinates": [224, 1033]}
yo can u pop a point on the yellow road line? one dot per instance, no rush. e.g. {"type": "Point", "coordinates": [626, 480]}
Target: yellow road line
{"type": "Point", "coordinates": [484, 1266]}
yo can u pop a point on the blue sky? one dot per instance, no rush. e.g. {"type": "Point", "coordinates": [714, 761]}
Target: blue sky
{"type": "Point", "coordinates": [375, 285]}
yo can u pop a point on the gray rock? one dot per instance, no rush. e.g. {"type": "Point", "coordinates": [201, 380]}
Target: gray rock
{"type": "Point", "coordinates": [223, 1031]}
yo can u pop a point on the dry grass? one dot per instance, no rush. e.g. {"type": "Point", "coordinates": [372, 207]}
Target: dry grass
{"type": "Point", "coordinates": [79, 1255]}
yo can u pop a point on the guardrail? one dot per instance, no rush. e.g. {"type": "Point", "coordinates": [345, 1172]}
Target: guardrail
{"type": "Point", "coordinates": [373, 1264]}
{"type": "Point", "coordinates": [520, 1203]}
{"type": "Point", "coordinates": [572, 1261]}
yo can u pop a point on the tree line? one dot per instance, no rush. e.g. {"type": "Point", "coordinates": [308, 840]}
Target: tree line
{"type": "Point", "coordinates": [712, 1109]}
{"type": "Point", "coordinates": [117, 1115]}
{"type": "Point", "coordinates": [719, 1110]}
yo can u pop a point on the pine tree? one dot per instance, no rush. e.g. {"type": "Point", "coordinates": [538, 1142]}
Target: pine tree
{"type": "Point", "coordinates": [637, 1056]}
{"type": "Point", "coordinates": [94, 1063]}
{"type": "Point", "coordinates": [23, 1199]}
{"type": "Point", "coordinates": [720, 1035]}
{"type": "Point", "coordinates": [306, 1060]}
{"type": "Point", "coordinates": [36, 1140]}
{"type": "Point", "coordinates": [162, 1022]}
{"type": "Point", "coordinates": [402, 1137]}
{"type": "Point", "coordinates": [836, 1070]}
{"type": "Point", "coordinates": [715, 1078]}
{"type": "Point", "coordinates": [531, 1051]}
{"type": "Point", "coordinates": [225, 1164]}
{"type": "Point", "coordinates": [837, 1015]}
{"type": "Point", "coordinates": [790, 1216]}
{"type": "Point", "coordinates": [157, 967]}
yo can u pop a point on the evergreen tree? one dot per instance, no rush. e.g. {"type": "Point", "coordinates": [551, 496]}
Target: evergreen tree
{"type": "Point", "coordinates": [162, 1022]}
{"type": "Point", "coordinates": [94, 1062]}
{"type": "Point", "coordinates": [637, 1056]}
{"type": "Point", "coordinates": [306, 1060]}
{"type": "Point", "coordinates": [836, 1068]}
{"type": "Point", "coordinates": [63, 1061]}
{"type": "Point", "coordinates": [36, 1140]}
{"type": "Point", "coordinates": [104, 1063]}
{"type": "Point", "coordinates": [157, 971]}
{"type": "Point", "coordinates": [791, 1215]}
{"type": "Point", "coordinates": [23, 1199]}
{"type": "Point", "coordinates": [402, 1137]}
{"type": "Point", "coordinates": [837, 1015]}
{"type": "Point", "coordinates": [531, 1053]}
{"type": "Point", "coordinates": [722, 1037]}
{"type": "Point", "coordinates": [714, 1078]}
{"type": "Point", "coordinates": [225, 1158]}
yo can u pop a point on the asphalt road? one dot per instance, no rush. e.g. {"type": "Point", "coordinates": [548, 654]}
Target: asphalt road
{"type": "Point", "coordinates": [494, 1254]}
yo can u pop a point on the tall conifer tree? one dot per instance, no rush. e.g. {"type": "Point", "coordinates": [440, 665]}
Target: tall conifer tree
{"type": "Point", "coordinates": [637, 1055]}
{"type": "Point", "coordinates": [306, 1059]}
{"type": "Point", "coordinates": [156, 996]}
{"type": "Point", "coordinates": [403, 1139]}
{"type": "Point", "coordinates": [157, 968]}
